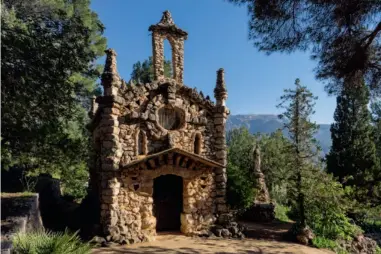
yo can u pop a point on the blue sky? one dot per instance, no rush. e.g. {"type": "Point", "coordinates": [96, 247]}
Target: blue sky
{"type": "Point", "coordinates": [217, 37]}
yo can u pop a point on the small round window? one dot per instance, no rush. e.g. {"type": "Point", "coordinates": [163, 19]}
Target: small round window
{"type": "Point", "coordinates": [171, 118]}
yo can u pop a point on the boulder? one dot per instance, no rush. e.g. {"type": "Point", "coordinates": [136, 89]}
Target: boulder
{"type": "Point", "coordinates": [363, 245]}
{"type": "Point", "coordinates": [305, 235]}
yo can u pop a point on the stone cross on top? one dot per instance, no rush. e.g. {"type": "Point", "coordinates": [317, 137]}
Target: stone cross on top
{"type": "Point", "coordinates": [166, 19]}
{"type": "Point", "coordinates": [166, 29]}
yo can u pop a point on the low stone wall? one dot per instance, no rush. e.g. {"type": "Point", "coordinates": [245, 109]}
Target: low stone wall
{"type": "Point", "coordinates": [19, 213]}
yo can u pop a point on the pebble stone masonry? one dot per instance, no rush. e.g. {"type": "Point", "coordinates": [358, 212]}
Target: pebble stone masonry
{"type": "Point", "coordinates": [143, 131]}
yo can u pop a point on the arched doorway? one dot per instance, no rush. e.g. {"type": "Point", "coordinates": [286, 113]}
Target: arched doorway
{"type": "Point", "coordinates": [168, 202]}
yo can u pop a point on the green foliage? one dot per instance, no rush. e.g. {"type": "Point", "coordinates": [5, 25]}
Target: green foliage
{"type": "Point", "coordinates": [240, 190]}
{"type": "Point", "coordinates": [368, 218]}
{"type": "Point", "coordinates": [47, 242]}
{"type": "Point", "coordinates": [276, 162]}
{"type": "Point", "coordinates": [240, 185]}
{"type": "Point", "coordinates": [353, 153]}
{"type": "Point", "coordinates": [376, 119]}
{"type": "Point", "coordinates": [143, 72]}
{"type": "Point", "coordinates": [281, 213]}
{"type": "Point", "coordinates": [326, 206]}
{"type": "Point", "coordinates": [298, 104]}
{"type": "Point", "coordinates": [324, 243]}
{"type": "Point", "coordinates": [74, 180]}
{"type": "Point", "coordinates": [48, 72]}
{"type": "Point", "coordinates": [344, 36]}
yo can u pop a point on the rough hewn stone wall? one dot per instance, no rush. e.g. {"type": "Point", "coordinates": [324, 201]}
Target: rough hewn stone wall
{"type": "Point", "coordinates": [131, 123]}
{"type": "Point", "coordinates": [129, 202]}
{"type": "Point", "coordinates": [141, 114]}
{"type": "Point", "coordinates": [126, 194]}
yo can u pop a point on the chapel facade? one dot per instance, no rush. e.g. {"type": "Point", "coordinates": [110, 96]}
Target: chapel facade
{"type": "Point", "coordinates": [160, 148]}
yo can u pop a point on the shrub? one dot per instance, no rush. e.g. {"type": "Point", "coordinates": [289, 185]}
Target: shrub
{"type": "Point", "coordinates": [45, 242]}
{"type": "Point", "coordinates": [281, 212]}
{"type": "Point", "coordinates": [326, 206]}
{"type": "Point", "coordinates": [368, 218]}
{"type": "Point", "coordinates": [240, 184]}
{"type": "Point", "coordinates": [324, 243]}
{"type": "Point", "coordinates": [240, 191]}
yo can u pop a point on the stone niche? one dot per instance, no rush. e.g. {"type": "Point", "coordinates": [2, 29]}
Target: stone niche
{"type": "Point", "coordinates": [159, 159]}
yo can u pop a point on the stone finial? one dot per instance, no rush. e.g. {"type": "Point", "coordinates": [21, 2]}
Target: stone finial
{"type": "Point", "coordinates": [220, 92]}
{"type": "Point", "coordinates": [94, 106]}
{"type": "Point", "coordinates": [110, 66]}
{"type": "Point", "coordinates": [111, 81]}
{"type": "Point", "coordinates": [166, 19]}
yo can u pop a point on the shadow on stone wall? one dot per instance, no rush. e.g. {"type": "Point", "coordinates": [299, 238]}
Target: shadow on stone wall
{"type": "Point", "coordinates": [59, 213]}
{"type": "Point", "coordinates": [19, 214]}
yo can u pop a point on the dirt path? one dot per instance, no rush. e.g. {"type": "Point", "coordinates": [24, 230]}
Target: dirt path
{"type": "Point", "coordinates": [182, 244]}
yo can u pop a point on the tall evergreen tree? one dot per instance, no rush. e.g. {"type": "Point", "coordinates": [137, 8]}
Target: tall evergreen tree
{"type": "Point", "coordinates": [353, 153]}
{"type": "Point", "coordinates": [298, 104]}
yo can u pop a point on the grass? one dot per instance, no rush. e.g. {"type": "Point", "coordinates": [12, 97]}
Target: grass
{"type": "Point", "coordinates": [324, 243]}
{"type": "Point", "coordinates": [45, 242]}
{"type": "Point", "coordinates": [16, 194]}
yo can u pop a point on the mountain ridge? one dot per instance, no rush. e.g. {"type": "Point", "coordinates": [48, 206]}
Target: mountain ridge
{"type": "Point", "coordinates": [268, 123]}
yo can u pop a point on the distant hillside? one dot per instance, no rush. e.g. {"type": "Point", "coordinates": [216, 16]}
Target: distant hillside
{"type": "Point", "coordinates": [270, 123]}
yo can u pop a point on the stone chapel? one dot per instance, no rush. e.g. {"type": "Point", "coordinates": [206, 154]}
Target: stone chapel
{"type": "Point", "coordinates": [160, 148]}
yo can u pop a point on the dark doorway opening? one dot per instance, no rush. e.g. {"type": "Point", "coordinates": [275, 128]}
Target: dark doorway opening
{"type": "Point", "coordinates": [168, 202]}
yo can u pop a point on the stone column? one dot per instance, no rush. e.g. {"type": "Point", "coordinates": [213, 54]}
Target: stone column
{"type": "Point", "coordinates": [110, 147]}
{"type": "Point", "coordinates": [220, 114]}
{"type": "Point", "coordinates": [111, 81]}
{"type": "Point", "coordinates": [158, 55]}
{"type": "Point", "coordinates": [178, 59]}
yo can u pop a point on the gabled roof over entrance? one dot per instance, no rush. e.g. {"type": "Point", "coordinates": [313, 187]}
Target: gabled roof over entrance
{"type": "Point", "coordinates": [175, 157]}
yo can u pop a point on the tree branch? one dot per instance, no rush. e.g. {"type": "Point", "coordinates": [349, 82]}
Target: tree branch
{"type": "Point", "coordinates": [372, 35]}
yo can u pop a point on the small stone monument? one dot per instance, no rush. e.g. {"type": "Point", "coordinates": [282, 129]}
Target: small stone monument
{"type": "Point", "coordinates": [262, 210]}
{"type": "Point", "coordinates": [262, 194]}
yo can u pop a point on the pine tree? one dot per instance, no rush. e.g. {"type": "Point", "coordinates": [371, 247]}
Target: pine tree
{"type": "Point", "coordinates": [344, 36]}
{"type": "Point", "coordinates": [298, 104]}
{"type": "Point", "coordinates": [143, 72]}
{"type": "Point", "coordinates": [353, 153]}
